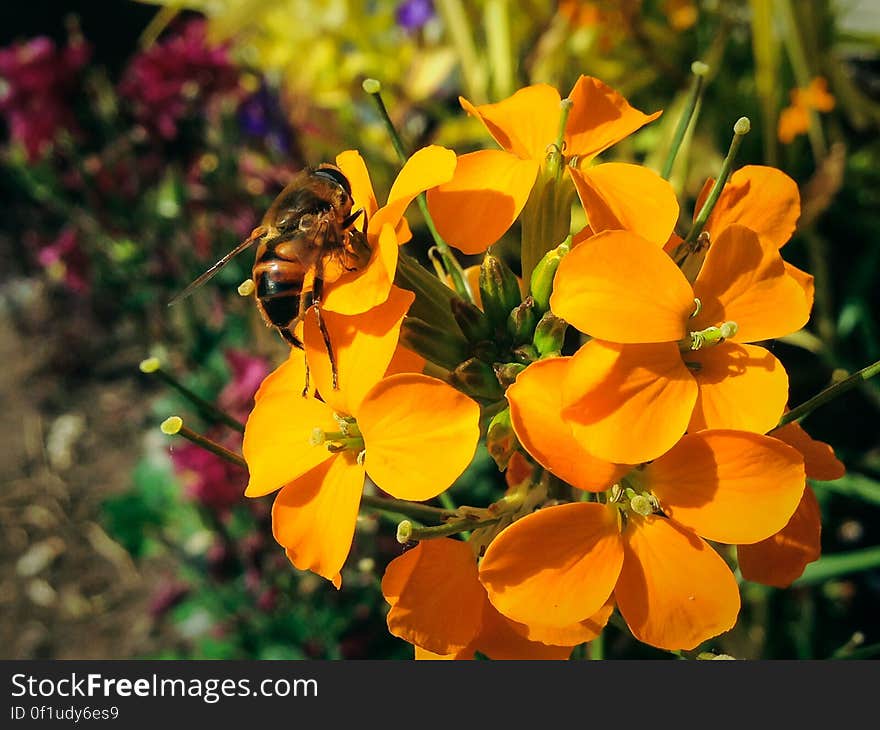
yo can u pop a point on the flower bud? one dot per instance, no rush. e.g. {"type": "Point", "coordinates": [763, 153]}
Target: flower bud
{"type": "Point", "coordinates": [474, 325]}
{"type": "Point", "coordinates": [507, 372]}
{"type": "Point", "coordinates": [526, 354]}
{"type": "Point", "coordinates": [550, 335]}
{"type": "Point", "coordinates": [500, 439]}
{"type": "Point", "coordinates": [541, 283]}
{"type": "Point", "coordinates": [499, 289]}
{"type": "Point", "coordinates": [521, 322]}
{"type": "Point", "coordinates": [439, 346]}
{"type": "Point", "coordinates": [476, 378]}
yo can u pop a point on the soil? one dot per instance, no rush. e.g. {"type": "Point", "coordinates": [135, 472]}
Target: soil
{"type": "Point", "coordinates": [71, 436]}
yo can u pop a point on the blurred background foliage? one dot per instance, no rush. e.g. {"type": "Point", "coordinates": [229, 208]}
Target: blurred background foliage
{"type": "Point", "coordinates": [143, 140]}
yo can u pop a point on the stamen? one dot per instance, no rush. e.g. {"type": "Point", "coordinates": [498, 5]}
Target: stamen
{"type": "Point", "coordinates": [698, 307]}
{"type": "Point", "coordinates": [246, 288]}
{"type": "Point", "coordinates": [317, 438]}
{"type": "Point", "coordinates": [173, 426]}
{"type": "Point", "coordinates": [641, 505]}
{"type": "Point", "coordinates": [690, 114]}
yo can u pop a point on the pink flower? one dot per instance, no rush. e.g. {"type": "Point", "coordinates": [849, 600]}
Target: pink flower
{"type": "Point", "coordinates": [36, 82]}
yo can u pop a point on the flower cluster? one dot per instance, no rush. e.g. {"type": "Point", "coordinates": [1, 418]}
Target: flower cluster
{"type": "Point", "coordinates": [642, 432]}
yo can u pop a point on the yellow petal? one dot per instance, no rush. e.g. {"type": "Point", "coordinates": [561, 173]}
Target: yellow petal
{"type": "Point", "coordinates": [740, 386]}
{"type": "Point", "coordinates": [780, 560]}
{"type": "Point", "coordinates": [420, 435]}
{"type": "Point", "coordinates": [356, 292]}
{"type": "Point", "coordinates": [525, 123]}
{"type": "Point", "coordinates": [728, 486]}
{"type": "Point", "coordinates": [674, 591]}
{"type": "Point", "coordinates": [277, 437]}
{"type": "Point", "coordinates": [482, 200]}
{"type": "Point", "coordinates": [600, 117]}
{"type": "Point", "coordinates": [435, 596]}
{"type": "Point", "coordinates": [555, 567]}
{"type": "Point", "coordinates": [352, 165]}
{"type": "Point", "coordinates": [619, 287]}
{"type": "Point", "coordinates": [314, 517]}
{"type": "Point", "coordinates": [363, 345]}
{"type": "Point", "coordinates": [535, 412]}
{"type": "Point", "coordinates": [620, 196]}
{"type": "Point", "coordinates": [628, 403]}
{"type": "Point", "coordinates": [427, 168]}
{"type": "Point", "coordinates": [744, 280]}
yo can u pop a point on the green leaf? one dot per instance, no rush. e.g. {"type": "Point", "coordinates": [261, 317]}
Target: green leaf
{"type": "Point", "coordinates": [852, 485]}
{"type": "Point", "coordinates": [834, 566]}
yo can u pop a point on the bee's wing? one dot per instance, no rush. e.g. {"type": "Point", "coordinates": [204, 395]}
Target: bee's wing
{"type": "Point", "coordinates": [210, 273]}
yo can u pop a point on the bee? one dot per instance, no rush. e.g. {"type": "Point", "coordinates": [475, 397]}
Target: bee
{"type": "Point", "coordinates": [306, 239]}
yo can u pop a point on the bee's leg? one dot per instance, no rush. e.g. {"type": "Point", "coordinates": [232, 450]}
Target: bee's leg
{"type": "Point", "coordinates": [316, 296]}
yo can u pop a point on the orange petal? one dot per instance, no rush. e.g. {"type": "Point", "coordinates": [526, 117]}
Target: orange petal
{"type": "Point", "coordinates": [482, 200]}
{"type": "Point", "coordinates": [525, 123]}
{"type": "Point", "coordinates": [805, 281]}
{"type": "Point", "coordinates": [761, 198]}
{"type": "Point", "coordinates": [674, 590]}
{"type": "Point", "coordinates": [363, 345]}
{"type": "Point", "coordinates": [740, 386]}
{"type": "Point", "coordinates": [435, 596]}
{"type": "Point", "coordinates": [420, 654]}
{"type": "Point", "coordinates": [555, 567]}
{"type": "Point", "coordinates": [728, 486]}
{"type": "Point", "coordinates": [743, 279]}
{"type": "Point", "coordinates": [620, 196]}
{"type": "Point", "coordinates": [600, 117]}
{"type": "Point", "coordinates": [420, 435]}
{"type": "Point", "coordinates": [500, 640]}
{"type": "Point", "coordinates": [352, 165]}
{"type": "Point", "coordinates": [356, 292]}
{"type": "Point", "coordinates": [405, 361]}
{"type": "Point", "coordinates": [573, 635]}
{"type": "Point", "coordinates": [819, 459]}
{"type": "Point", "coordinates": [780, 560]}
{"type": "Point", "coordinates": [535, 412]}
{"type": "Point", "coordinates": [428, 167]}
{"type": "Point", "coordinates": [314, 517]}
{"type": "Point", "coordinates": [793, 121]}
{"type": "Point", "coordinates": [277, 438]}
{"type": "Point", "coordinates": [619, 287]}
{"type": "Point", "coordinates": [628, 403]}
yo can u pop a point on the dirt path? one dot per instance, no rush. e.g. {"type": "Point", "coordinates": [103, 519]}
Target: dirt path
{"type": "Point", "coordinates": [67, 590]}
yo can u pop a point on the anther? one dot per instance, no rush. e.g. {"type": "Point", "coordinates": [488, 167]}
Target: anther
{"type": "Point", "coordinates": [172, 425]}
{"type": "Point", "coordinates": [246, 288]}
{"type": "Point", "coordinates": [698, 307]}
{"type": "Point", "coordinates": [150, 365]}
{"type": "Point", "coordinates": [371, 86]}
{"type": "Point", "coordinates": [361, 456]}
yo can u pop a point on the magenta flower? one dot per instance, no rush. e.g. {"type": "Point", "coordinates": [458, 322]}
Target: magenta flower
{"type": "Point", "coordinates": [37, 80]}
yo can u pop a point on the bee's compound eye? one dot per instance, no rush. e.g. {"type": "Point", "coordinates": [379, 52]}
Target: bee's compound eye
{"type": "Point", "coordinates": [306, 222]}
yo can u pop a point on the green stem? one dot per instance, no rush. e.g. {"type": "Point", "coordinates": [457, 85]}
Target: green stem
{"type": "Point", "coordinates": [450, 528]}
{"type": "Point", "coordinates": [740, 130]}
{"type": "Point", "coordinates": [456, 22]}
{"type": "Point", "coordinates": [804, 409]}
{"type": "Point", "coordinates": [453, 268]}
{"type": "Point", "coordinates": [410, 509]}
{"type": "Point", "coordinates": [174, 426]}
{"type": "Point", "coordinates": [150, 366]}
{"type": "Point", "coordinates": [497, 24]}
{"type": "Point", "coordinates": [689, 114]}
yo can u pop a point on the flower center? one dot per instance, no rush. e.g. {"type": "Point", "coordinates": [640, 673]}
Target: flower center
{"type": "Point", "coordinates": [698, 339]}
{"type": "Point", "coordinates": [347, 438]}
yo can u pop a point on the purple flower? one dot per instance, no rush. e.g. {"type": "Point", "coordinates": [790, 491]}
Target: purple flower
{"type": "Point", "coordinates": [413, 14]}
{"type": "Point", "coordinates": [36, 83]}
{"type": "Point", "coordinates": [65, 261]}
{"type": "Point", "coordinates": [237, 398]}
{"type": "Point", "coordinates": [261, 116]}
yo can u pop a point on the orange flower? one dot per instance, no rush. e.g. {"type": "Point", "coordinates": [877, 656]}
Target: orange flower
{"type": "Point", "coordinates": [794, 120]}
{"type": "Point", "coordinates": [357, 292]}
{"type": "Point", "coordinates": [439, 605]}
{"type": "Point", "coordinates": [767, 201]}
{"type": "Point", "coordinates": [668, 356]}
{"type": "Point", "coordinates": [561, 564]}
{"type": "Point", "coordinates": [490, 187]}
{"type": "Point", "coordinates": [780, 559]}
{"type": "Point", "coordinates": [318, 452]}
